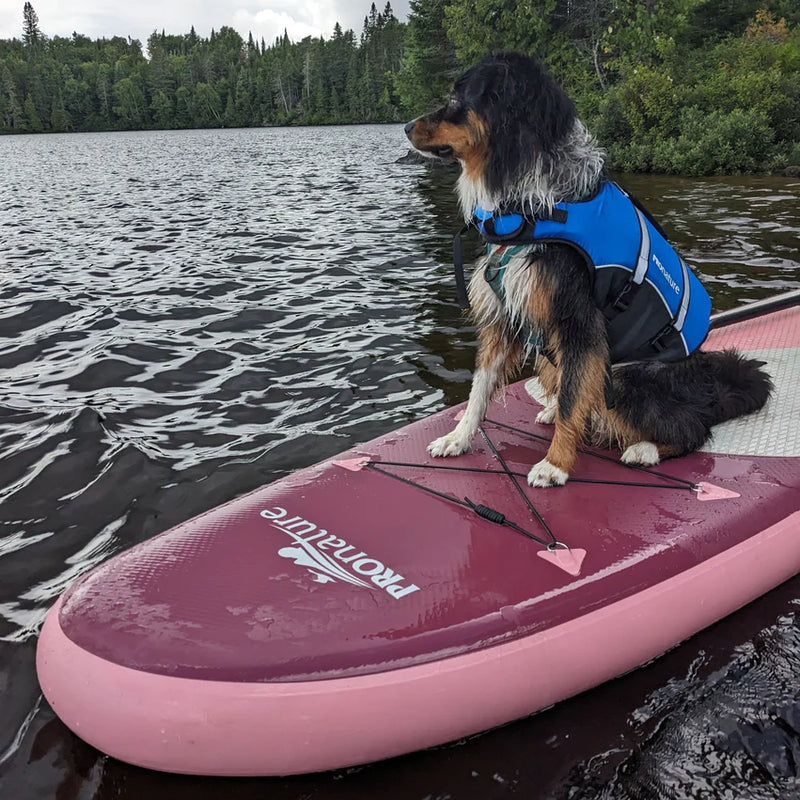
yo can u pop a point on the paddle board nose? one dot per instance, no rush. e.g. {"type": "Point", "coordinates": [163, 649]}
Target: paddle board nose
{"type": "Point", "coordinates": [347, 613]}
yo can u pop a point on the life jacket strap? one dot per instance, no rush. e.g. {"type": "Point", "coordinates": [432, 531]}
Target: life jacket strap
{"type": "Point", "coordinates": [656, 342]}
{"type": "Point", "coordinates": [608, 387]}
{"type": "Point", "coordinates": [458, 264]}
{"type": "Point", "coordinates": [485, 222]}
{"type": "Point", "coordinates": [623, 300]}
{"type": "Point", "coordinates": [555, 214]}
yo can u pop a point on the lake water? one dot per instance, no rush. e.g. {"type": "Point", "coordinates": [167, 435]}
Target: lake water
{"type": "Point", "coordinates": [188, 315]}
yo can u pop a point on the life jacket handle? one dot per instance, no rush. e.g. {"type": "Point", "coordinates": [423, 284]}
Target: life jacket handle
{"type": "Point", "coordinates": [458, 264]}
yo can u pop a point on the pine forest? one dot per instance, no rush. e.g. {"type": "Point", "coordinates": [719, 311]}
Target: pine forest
{"type": "Point", "coordinates": [694, 87]}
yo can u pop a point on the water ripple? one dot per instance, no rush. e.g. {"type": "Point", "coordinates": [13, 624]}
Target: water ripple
{"type": "Point", "coordinates": [187, 315]}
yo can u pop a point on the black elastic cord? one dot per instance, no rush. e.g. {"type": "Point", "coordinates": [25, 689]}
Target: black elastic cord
{"type": "Point", "coordinates": [373, 466]}
{"type": "Point", "coordinates": [488, 471]}
{"type": "Point", "coordinates": [483, 511]}
{"type": "Point", "coordinates": [500, 519]}
{"type": "Point", "coordinates": [519, 489]}
{"type": "Point", "coordinates": [638, 467]}
{"type": "Point", "coordinates": [487, 513]}
{"type": "Point", "coordinates": [497, 517]}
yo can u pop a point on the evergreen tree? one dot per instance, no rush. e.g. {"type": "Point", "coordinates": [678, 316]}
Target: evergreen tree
{"type": "Point", "coordinates": [129, 103]}
{"type": "Point", "coordinates": [231, 117]}
{"type": "Point", "coordinates": [12, 117]}
{"type": "Point", "coordinates": [669, 85]}
{"type": "Point", "coordinates": [103, 88]}
{"type": "Point", "coordinates": [184, 107]}
{"type": "Point", "coordinates": [59, 118]}
{"type": "Point", "coordinates": [33, 121]}
{"type": "Point", "coordinates": [208, 107]}
{"type": "Point", "coordinates": [429, 63]}
{"type": "Point", "coordinates": [162, 111]}
{"type": "Point", "coordinates": [31, 35]}
{"type": "Point", "coordinates": [477, 26]}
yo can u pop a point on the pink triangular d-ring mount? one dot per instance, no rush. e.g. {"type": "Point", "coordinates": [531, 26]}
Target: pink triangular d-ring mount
{"type": "Point", "coordinates": [710, 492]}
{"type": "Point", "coordinates": [460, 415]}
{"type": "Point", "coordinates": [568, 559]}
{"type": "Point", "coordinates": [353, 464]}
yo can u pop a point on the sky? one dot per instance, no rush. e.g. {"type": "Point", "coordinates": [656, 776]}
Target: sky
{"type": "Point", "coordinates": [139, 18]}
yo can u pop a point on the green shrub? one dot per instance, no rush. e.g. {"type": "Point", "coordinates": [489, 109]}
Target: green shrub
{"type": "Point", "coordinates": [722, 143]}
{"type": "Point", "coordinates": [732, 107]}
{"type": "Point", "coordinates": [648, 99]}
{"type": "Point", "coordinates": [707, 144]}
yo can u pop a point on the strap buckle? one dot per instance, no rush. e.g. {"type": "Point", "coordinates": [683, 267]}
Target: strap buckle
{"type": "Point", "coordinates": [622, 302]}
{"type": "Point", "coordinates": [554, 215]}
{"type": "Point", "coordinates": [656, 342]}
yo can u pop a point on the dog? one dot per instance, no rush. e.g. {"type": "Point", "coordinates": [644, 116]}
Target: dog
{"type": "Point", "coordinates": [521, 145]}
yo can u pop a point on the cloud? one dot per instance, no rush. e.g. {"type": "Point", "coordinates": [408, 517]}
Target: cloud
{"type": "Point", "coordinates": [299, 21]}
{"type": "Point", "coordinates": [264, 18]}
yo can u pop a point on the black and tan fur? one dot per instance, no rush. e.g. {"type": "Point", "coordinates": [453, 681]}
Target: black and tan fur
{"type": "Point", "coordinates": [521, 145]}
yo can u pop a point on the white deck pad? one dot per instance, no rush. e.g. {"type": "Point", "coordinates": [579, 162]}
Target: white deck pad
{"type": "Point", "coordinates": [773, 431]}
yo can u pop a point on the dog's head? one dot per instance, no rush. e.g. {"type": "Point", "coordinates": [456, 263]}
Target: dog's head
{"type": "Point", "coordinates": [503, 115]}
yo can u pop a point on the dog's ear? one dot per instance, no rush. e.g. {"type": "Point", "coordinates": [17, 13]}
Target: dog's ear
{"type": "Point", "coordinates": [527, 114]}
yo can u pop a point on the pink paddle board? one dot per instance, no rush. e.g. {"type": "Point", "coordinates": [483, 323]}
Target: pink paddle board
{"type": "Point", "coordinates": [361, 609]}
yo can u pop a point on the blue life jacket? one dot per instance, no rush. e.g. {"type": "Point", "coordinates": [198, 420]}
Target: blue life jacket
{"type": "Point", "coordinates": [655, 308]}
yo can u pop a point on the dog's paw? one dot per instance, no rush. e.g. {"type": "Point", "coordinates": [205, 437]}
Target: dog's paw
{"type": "Point", "coordinates": [451, 445]}
{"type": "Point", "coordinates": [545, 474]}
{"type": "Point", "coordinates": [643, 454]}
{"type": "Point", "coordinates": [547, 416]}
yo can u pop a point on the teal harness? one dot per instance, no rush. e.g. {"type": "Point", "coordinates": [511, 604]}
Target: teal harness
{"type": "Point", "coordinates": [497, 259]}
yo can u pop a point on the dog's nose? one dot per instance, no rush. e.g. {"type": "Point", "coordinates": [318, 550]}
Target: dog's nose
{"type": "Point", "coordinates": [410, 127]}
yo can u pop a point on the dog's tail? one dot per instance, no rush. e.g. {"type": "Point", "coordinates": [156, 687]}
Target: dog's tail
{"type": "Point", "coordinates": [676, 403]}
{"type": "Point", "coordinates": [741, 386]}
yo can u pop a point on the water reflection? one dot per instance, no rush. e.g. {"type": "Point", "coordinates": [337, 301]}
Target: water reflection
{"type": "Point", "coordinates": [189, 315]}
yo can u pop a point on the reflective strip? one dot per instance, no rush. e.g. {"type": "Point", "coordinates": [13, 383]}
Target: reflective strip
{"type": "Point", "coordinates": [661, 297]}
{"type": "Point", "coordinates": [613, 266]}
{"type": "Point", "coordinates": [684, 307]}
{"type": "Point", "coordinates": [643, 259]}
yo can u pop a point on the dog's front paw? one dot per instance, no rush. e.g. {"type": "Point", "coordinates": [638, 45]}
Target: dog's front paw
{"type": "Point", "coordinates": [643, 454]}
{"type": "Point", "coordinates": [451, 445]}
{"type": "Point", "coordinates": [545, 474]}
{"type": "Point", "coordinates": [547, 416]}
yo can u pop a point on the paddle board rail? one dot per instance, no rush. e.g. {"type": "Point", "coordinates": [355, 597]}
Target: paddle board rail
{"type": "Point", "coordinates": [384, 601]}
